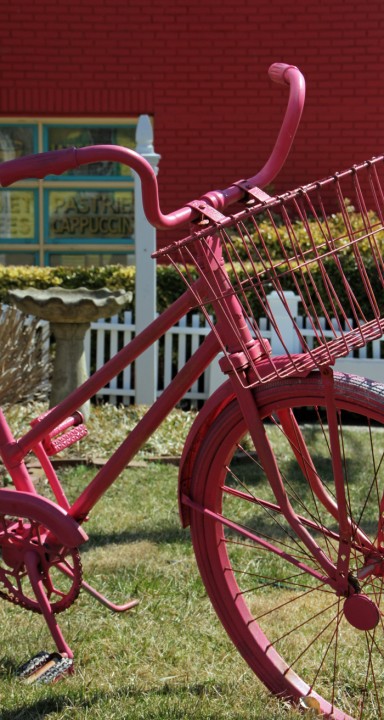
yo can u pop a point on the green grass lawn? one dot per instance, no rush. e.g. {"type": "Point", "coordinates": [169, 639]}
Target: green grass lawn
{"type": "Point", "coordinates": [169, 657]}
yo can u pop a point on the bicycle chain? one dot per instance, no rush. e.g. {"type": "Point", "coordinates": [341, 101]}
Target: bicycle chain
{"type": "Point", "coordinates": [17, 601]}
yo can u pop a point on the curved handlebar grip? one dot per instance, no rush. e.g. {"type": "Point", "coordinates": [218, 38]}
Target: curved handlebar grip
{"type": "Point", "coordinates": [58, 161]}
{"type": "Point", "coordinates": [54, 162]}
{"type": "Point", "coordinates": [283, 75]}
{"type": "Point", "coordinates": [277, 72]}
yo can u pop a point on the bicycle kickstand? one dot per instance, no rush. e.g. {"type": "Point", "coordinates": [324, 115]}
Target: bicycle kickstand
{"type": "Point", "coordinates": [98, 596]}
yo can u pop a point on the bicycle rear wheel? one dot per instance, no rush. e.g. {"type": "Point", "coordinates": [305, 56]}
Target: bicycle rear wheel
{"type": "Point", "coordinates": [291, 627]}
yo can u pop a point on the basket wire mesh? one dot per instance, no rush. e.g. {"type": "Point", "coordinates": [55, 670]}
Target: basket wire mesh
{"type": "Point", "coordinates": [325, 242]}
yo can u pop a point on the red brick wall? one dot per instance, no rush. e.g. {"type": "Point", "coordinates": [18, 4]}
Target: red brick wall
{"type": "Point", "coordinates": [200, 69]}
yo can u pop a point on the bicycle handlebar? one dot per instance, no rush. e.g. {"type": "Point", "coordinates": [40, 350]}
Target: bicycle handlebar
{"type": "Point", "coordinates": [57, 162]}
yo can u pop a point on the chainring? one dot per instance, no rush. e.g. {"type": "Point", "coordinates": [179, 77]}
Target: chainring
{"type": "Point", "coordinates": [62, 586]}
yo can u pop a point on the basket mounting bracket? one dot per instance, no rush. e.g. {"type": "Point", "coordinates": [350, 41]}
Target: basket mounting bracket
{"type": "Point", "coordinates": [253, 193]}
{"type": "Point", "coordinates": [208, 212]}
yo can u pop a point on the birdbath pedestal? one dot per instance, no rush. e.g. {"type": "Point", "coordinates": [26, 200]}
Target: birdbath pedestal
{"type": "Point", "coordinates": [70, 313]}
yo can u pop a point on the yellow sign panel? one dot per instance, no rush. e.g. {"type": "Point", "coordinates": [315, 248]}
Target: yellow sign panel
{"type": "Point", "coordinates": [91, 214]}
{"type": "Point", "coordinates": [17, 214]}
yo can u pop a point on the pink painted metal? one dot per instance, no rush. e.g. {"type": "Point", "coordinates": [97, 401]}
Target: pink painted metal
{"type": "Point", "coordinates": [38, 536]}
{"type": "Point", "coordinates": [47, 513]}
{"type": "Point", "coordinates": [318, 270]}
{"type": "Point", "coordinates": [361, 612]}
{"type": "Point", "coordinates": [58, 161]}
{"type": "Point", "coordinates": [255, 538]}
{"type": "Point", "coordinates": [251, 625]}
{"type": "Point", "coordinates": [98, 596]}
{"type": "Point", "coordinates": [31, 562]}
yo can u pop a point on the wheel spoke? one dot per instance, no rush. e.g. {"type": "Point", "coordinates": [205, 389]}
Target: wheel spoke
{"type": "Point", "coordinates": [315, 638]}
{"type": "Point", "coordinates": [286, 582]}
{"type": "Point", "coordinates": [326, 532]}
{"type": "Point", "coordinates": [370, 671]}
{"type": "Point", "coordinates": [288, 602]}
{"type": "Point", "coordinates": [295, 631]}
{"type": "Point", "coordinates": [257, 540]}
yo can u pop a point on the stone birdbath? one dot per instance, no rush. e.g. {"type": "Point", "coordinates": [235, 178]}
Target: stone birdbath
{"type": "Point", "coordinates": [70, 313]}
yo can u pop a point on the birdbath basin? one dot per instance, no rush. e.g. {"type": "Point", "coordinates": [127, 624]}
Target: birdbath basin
{"type": "Point", "coordinates": [70, 313]}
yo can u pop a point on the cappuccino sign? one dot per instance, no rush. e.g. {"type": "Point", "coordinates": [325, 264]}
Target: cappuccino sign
{"type": "Point", "coordinates": [93, 214]}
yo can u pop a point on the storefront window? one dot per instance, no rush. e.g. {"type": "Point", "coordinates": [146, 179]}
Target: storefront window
{"type": "Point", "coordinates": [16, 141]}
{"type": "Point", "coordinates": [79, 136]}
{"type": "Point", "coordinates": [17, 214]}
{"type": "Point", "coordinates": [20, 258]}
{"type": "Point", "coordinates": [87, 210]}
{"type": "Point", "coordinates": [89, 259]}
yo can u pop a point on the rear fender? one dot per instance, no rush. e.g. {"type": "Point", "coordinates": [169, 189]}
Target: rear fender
{"type": "Point", "coordinates": [63, 528]}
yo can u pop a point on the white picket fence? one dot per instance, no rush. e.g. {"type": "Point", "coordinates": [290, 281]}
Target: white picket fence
{"type": "Point", "coordinates": [106, 336]}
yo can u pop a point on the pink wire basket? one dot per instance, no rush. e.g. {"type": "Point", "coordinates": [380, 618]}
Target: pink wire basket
{"type": "Point", "coordinates": [324, 241]}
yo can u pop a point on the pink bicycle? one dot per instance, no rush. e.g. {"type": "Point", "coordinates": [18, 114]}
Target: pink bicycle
{"type": "Point", "coordinates": [286, 512]}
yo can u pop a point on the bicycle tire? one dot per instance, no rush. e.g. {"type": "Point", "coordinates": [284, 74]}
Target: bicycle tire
{"type": "Point", "coordinates": [313, 656]}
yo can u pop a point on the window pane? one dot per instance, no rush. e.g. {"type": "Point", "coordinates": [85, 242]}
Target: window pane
{"type": "Point", "coordinates": [89, 259]}
{"type": "Point", "coordinates": [22, 258]}
{"type": "Point", "coordinates": [16, 141]}
{"type": "Point", "coordinates": [86, 215]}
{"type": "Point", "coordinates": [17, 214]}
{"type": "Point", "coordinates": [59, 137]}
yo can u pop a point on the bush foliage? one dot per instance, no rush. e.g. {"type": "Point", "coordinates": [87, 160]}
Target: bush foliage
{"type": "Point", "coordinates": [350, 247]}
{"type": "Point", "coordinates": [114, 277]}
{"type": "Point", "coordinates": [269, 238]}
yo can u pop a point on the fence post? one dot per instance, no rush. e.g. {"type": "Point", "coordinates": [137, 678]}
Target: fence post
{"type": "Point", "coordinates": [145, 291]}
{"type": "Point", "coordinates": [281, 312]}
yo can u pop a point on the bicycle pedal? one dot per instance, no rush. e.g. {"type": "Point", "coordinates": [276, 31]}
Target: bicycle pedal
{"type": "Point", "coordinates": [68, 438]}
{"type": "Point", "coordinates": [44, 668]}
{"type": "Point", "coordinates": [68, 432]}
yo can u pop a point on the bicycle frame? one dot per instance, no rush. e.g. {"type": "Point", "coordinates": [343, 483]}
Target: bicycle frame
{"type": "Point", "coordinates": [57, 162]}
{"type": "Point", "coordinates": [65, 417]}
{"type": "Point", "coordinates": [298, 505]}
{"type": "Point", "coordinates": [13, 452]}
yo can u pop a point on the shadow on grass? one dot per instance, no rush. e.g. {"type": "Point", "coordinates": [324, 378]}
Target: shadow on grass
{"type": "Point", "coordinates": [41, 708]}
{"type": "Point", "coordinates": [166, 536]}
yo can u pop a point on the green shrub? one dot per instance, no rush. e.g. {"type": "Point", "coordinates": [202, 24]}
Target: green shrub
{"type": "Point", "coordinates": [269, 238]}
{"type": "Point", "coordinates": [111, 276]}
{"type": "Point", "coordinates": [115, 277]}
{"type": "Point", "coordinates": [324, 283]}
